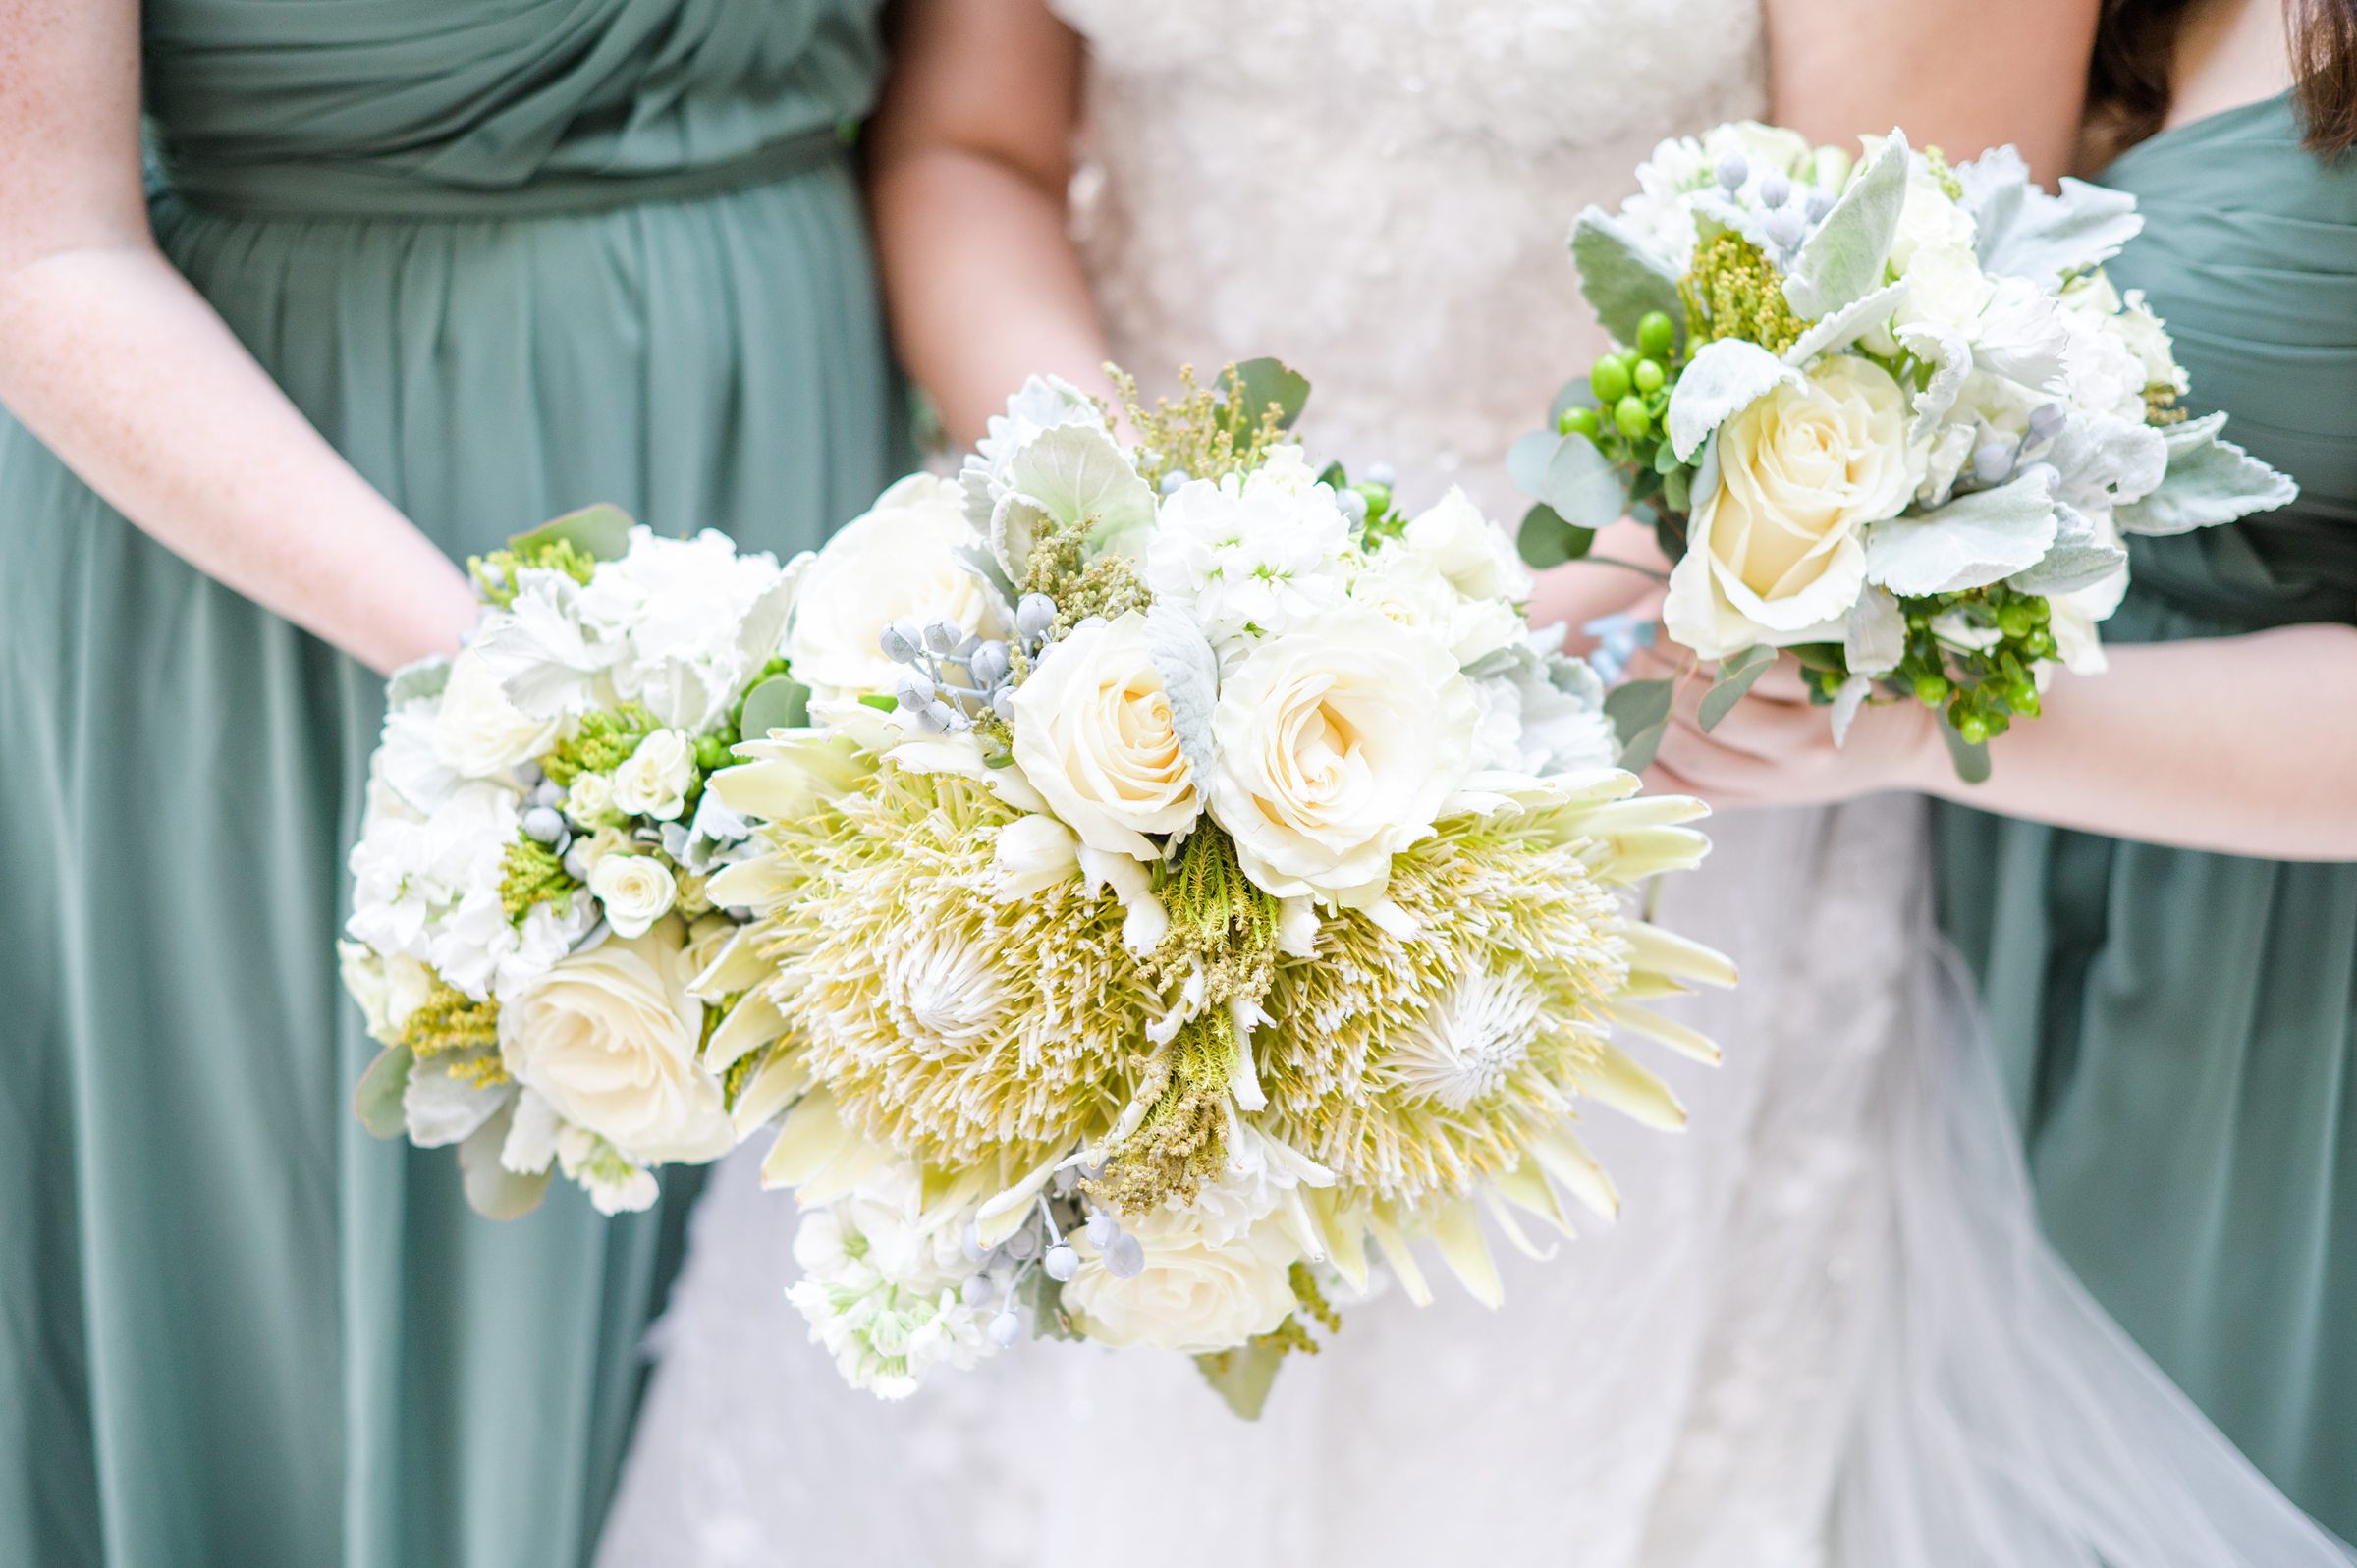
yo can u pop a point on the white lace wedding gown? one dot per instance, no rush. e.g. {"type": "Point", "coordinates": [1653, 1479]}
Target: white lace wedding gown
{"type": "Point", "coordinates": [1378, 191]}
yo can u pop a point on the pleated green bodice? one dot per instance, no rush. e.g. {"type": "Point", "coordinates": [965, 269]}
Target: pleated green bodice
{"type": "Point", "coordinates": [512, 257]}
{"type": "Point", "coordinates": [2177, 1027]}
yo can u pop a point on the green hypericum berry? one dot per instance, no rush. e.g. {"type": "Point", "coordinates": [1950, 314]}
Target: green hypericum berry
{"type": "Point", "coordinates": [1657, 334]}
{"type": "Point", "coordinates": [1609, 380]}
{"type": "Point", "coordinates": [1974, 729]}
{"type": "Point", "coordinates": [1931, 690]}
{"type": "Point", "coordinates": [1649, 375]}
{"type": "Point", "coordinates": [2016, 619]}
{"type": "Point", "coordinates": [1631, 415]}
{"type": "Point", "coordinates": [1379, 496]}
{"type": "Point", "coordinates": [711, 753]}
{"type": "Point", "coordinates": [1579, 421]}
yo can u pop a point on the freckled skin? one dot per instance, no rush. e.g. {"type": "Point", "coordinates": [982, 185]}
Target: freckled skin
{"type": "Point", "coordinates": [120, 366]}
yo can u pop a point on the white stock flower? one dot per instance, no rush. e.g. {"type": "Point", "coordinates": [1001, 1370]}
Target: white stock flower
{"type": "Point", "coordinates": [1774, 551]}
{"type": "Point", "coordinates": [1192, 1296]}
{"type": "Point", "coordinates": [1253, 553]}
{"type": "Point", "coordinates": [1473, 553]}
{"type": "Point", "coordinates": [477, 730]}
{"type": "Point", "coordinates": [487, 955]}
{"type": "Point", "coordinates": [411, 874]}
{"type": "Point", "coordinates": [652, 781]}
{"type": "Point", "coordinates": [1093, 735]}
{"type": "Point", "coordinates": [609, 1038]}
{"type": "Point", "coordinates": [1661, 215]}
{"type": "Point", "coordinates": [1338, 745]}
{"type": "Point", "coordinates": [693, 613]}
{"type": "Point", "coordinates": [881, 1293]}
{"type": "Point", "coordinates": [1405, 587]}
{"type": "Point", "coordinates": [897, 562]}
{"type": "Point", "coordinates": [636, 891]}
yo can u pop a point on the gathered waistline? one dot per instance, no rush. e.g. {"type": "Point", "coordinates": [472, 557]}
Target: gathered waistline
{"type": "Point", "coordinates": [321, 188]}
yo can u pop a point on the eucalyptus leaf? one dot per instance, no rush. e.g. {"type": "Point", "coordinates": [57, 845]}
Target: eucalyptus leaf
{"type": "Point", "coordinates": [1845, 258]}
{"type": "Point", "coordinates": [1546, 540]}
{"type": "Point", "coordinates": [1243, 1376]}
{"type": "Point", "coordinates": [1640, 713]}
{"type": "Point", "coordinates": [1971, 761]}
{"type": "Point", "coordinates": [1527, 459]}
{"type": "Point", "coordinates": [779, 703]}
{"type": "Point", "coordinates": [493, 1190]}
{"type": "Point", "coordinates": [1621, 278]}
{"type": "Point", "coordinates": [1677, 490]}
{"type": "Point", "coordinates": [1575, 393]}
{"type": "Point", "coordinates": [1723, 379]}
{"type": "Point", "coordinates": [1979, 538]}
{"type": "Point", "coordinates": [1585, 490]}
{"type": "Point", "coordinates": [378, 1098]}
{"type": "Point", "coordinates": [2210, 480]}
{"type": "Point", "coordinates": [601, 532]}
{"type": "Point", "coordinates": [1737, 673]}
{"type": "Point", "coordinates": [2021, 231]}
{"type": "Point", "coordinates": [1261, 382]}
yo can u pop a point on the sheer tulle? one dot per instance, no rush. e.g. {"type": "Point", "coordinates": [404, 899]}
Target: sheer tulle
{"type": "Point", "coordinates": [2005, 1418]}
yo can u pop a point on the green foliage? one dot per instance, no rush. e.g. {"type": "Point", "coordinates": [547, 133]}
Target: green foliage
{"type": "Point", "coordinates": [1737, 673]}
{"type": "Point", "coordinates": [531, 872]}
{"type": "Point", "coordinates": [378, 1099]}
{"type": "Point", "coordinates": [601, 742]}
{"type": "Point", "coordinates": [1640, 715]}
{"type": "Point", "coordinates": [1546, 540]}
{"type": "Point", "coordinates": [776, 702]}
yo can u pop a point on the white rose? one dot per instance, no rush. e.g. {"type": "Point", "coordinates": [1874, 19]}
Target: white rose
{"type": "Point", "coordinates": [1190, 1297]}
{"type": "Point", "coordinates": [896, 562]}
{"type": "Point", "coordinates": [1469, 550]}
{"type": "Point", "coordinates": [591, 799]}
{"type": "Point", "coordinates": [636, 891]}
{"type": "Point", "coordinates": [1338, 745]}
{"type": "Point", "coordinates": [609, 1038]}
{"type": "Point", "coordinates": [477, 732]}
{"type": "Point", "coordinates": [1772, 552]}
{"type": "Point", "coordinates": [1946, 285]}
{"type": "Point", "coordinates": [653, 781]}
{"type": "Point", "coordinates": [1093, 736]}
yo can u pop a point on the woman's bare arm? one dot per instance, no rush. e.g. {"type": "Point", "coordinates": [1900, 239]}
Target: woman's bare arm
{"type": "Point", "coordinates": [1958, 75]}
{"type": "Point", "coordinates": [119, 365]}
{"type": "Point", "coordinates": [970, 155]}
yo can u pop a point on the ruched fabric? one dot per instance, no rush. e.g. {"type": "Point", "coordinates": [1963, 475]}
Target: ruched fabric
{"type": "Point", "coordinates": [2177, 1028]}
{"type": "Point", "coordinates": [512, 257]}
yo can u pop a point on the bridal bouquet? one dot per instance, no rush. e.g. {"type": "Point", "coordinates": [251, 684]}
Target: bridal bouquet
{"type": "Point", "coordinates": [531, 887]}
{"type": "Point", "coordinates": [1191, 868]}
{"type": "Point", "coordinates": [1890, 416]}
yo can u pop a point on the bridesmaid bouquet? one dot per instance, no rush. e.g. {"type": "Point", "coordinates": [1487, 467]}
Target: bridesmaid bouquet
{"type": "Point", "coordinates": [531, 887]}
{"type": "Point", "coordinates": [1190, 869]}
{"type": "Point", "coordinates": [1890, 417]}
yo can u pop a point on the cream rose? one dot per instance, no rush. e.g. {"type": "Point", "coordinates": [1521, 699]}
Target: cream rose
{"type": "Point", "coordinates": [477, 732]}
{"type": "Point", "coordinates": [1190, 1297]}
{"type": "Point", "coordinates": [652, 781]}
{"type": "Point", "coordinates": [1772, 552]}
{"type": "Point", "coordinates": [896, 562]}
{"type": "Point", "coordinates": [636, 891]}
{"type": "Point", "coordinates": [1338, 745]}
{"type": "Point", "coordinates": [609, 1038]}
{"type": "Point", "coordinates": [1093, 735]}
{"type": "Point", "coordinates": [589, 801]}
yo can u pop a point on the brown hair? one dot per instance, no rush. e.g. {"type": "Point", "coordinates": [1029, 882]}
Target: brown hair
{"type": "Point", "coordinates": [2136, 44]}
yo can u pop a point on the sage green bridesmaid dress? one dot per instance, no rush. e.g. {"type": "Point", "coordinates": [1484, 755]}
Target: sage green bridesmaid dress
{"type": "Point", "coordinates": [2180, 1030]}
{"type": "Point", "coordinates": [512, 257]}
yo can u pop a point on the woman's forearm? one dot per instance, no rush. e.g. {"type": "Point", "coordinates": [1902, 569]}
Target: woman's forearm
{"type": "Point", "coordinates": [984, 283]}
{"type": "Point", "coordinates": [2243, 745]}
{"type": "Point", "coordinates": [121, 367]}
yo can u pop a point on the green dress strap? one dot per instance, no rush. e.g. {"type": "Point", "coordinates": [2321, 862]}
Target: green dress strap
{"type": "Point", "coordinates": [2176, 1028]}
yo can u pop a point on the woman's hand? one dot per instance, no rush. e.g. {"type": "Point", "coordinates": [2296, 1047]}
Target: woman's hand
{"type": "Point", "coordinates": [1776, 748]}
{"type": "Point", "coordinates": [120, 366]}
{"type": "Point", "coordinates": [2238, 745]}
